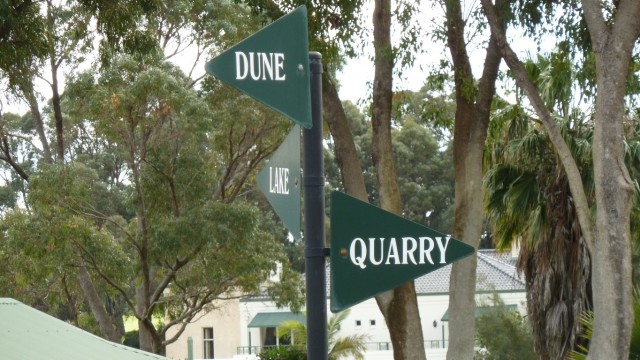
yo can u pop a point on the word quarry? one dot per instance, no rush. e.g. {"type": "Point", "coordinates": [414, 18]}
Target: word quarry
{"type": "Point", "coordinates": [377, 251]}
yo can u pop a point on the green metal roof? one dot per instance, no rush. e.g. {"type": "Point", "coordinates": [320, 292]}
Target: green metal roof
{"type": "Point", "coordinates": [273, 319]}
{"type": "Point", "coordinates": [481, 310]}
{"type": "Point", "coordinates": [26, 333]}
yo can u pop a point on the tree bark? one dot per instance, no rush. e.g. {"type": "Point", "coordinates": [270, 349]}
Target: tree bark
{"type": "Point", "coordinates": [398, 306]}
{"type": "Point", "coordinates": [29, 94]}
{"type": "Point", "coordinates": [105, 323]}
{"type": "Point", "coordinates": [470, 133]}
{"type": "Point", "coordinates": [55, 99]}
{"type": "Point", "coordinates": [345, 148]}
{"type": "Point", "coordinates": [613, 304]}
{"type": "Point", "coordinates": [609, 238]}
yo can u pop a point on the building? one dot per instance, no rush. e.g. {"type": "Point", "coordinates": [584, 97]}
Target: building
{"type": "Point", "coordinates": [249, 324]}
{"type": "Point", "coordinates": [31, 334]}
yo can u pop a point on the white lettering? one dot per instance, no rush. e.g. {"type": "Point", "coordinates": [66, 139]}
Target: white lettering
{"type": "Point", "coordinates": [393, 252]}
{"type": "Point", "coordinates": [372, 257]}
{"type": "Point", "coordinates": [358, 260]}
{"type": "Point", "coordinates": [279, 180]}
{"type": "Point", "coordinates": [261, 66]}
{"type": "Point", "coordinates": [242, 66]}
{"type": "Point", "coordinates": [267, 65]}
{"type": "Point", "coordinates": [425, 252]}
{"type": "Point", "coordinates": [279, 62]}
{"type": "Point", "coordinates": [253, 66]}
{"type": "Point", "coordinates": [442, 248]}
{"type": "Point", "coordinates": [373, 252]}
{"type": "Point", "coordinates": [407, 253]}
{"type": "Point", "coordinates": [271, 181]}
{"type": "Point", "coordinates": [285, 182]}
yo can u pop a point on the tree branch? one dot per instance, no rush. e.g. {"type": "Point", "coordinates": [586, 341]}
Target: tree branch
{"type": "Point", "coordinates": [561, 148]}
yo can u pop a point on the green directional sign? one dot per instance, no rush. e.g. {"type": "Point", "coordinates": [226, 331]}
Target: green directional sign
{"type": "Point", "coordinates": [279, 181]}
{"type": "Point", "coordinates": [272, 66]}
{"type": "Point", "coordinates": [373, 251]}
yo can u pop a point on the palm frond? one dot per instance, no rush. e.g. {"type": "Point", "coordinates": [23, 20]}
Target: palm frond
{"type": "Point", "coordinates": [333, 325]}
{"type": "Point", "coordinates": [294, 331]}
{"type": "Point", "coordinates": [349, 346]}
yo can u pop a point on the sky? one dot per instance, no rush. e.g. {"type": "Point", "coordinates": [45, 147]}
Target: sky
{"type": "Point", "coordinates": [356, 77]}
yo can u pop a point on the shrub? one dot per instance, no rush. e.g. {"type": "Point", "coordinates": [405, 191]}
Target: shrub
{"type": "Point", "coordinates": [503, 334]}
{"type": "Point", "coordinates": [283, 353]}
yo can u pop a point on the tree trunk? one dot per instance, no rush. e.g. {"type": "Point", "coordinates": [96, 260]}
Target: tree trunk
{"type": "Point", "coordinates": [613, 305]}
{"type": "Point", "coordinates": [609, 240]}
{"type": "Point", "coordinates": [399, 306]}
{"type": "Point", "coordinates": [345, 148]}
{"type": "Point", "coordinates": [470, 133]}
{"type": "Point", "coordinates": [30, 95]}
{"type": "Point", "coordinates": [105, 323]}
{"type": "Point", "coordinates": [55, 99]}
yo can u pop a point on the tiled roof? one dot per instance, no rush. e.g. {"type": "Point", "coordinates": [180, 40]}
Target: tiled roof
{"type": "Point", "coordinates": [26, 333]}
{"type": "Point", "coordinates": [492, 274]}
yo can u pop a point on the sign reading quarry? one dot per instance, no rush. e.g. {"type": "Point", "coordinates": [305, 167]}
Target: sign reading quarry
{"type": "Point", "coordinates": [272, 66]}
{"type": "Point", "coordinates": [373, 251]}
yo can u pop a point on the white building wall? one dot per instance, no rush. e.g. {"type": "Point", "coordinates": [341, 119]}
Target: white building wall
{"type": "Point", "coordinates": [226, 333]}
{"type": "Point", "coordinates": [432, 308]}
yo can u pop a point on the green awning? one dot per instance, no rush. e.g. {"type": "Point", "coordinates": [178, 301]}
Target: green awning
{"type": "Point", "coordinates": [273, 319]}
{"type": "Point", "coordinates": [481, 310]}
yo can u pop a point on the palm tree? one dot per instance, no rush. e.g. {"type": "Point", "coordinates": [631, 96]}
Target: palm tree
{"type": "Point", "coordinates": [529, 203]}
{"type": "Point", "coordinates": [339, 347]}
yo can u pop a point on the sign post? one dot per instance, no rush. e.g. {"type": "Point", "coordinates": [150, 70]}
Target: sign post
{"type": "Point", "coordinates": [274, 66]}
{"type": "Point", "coordinates": [314, 249]}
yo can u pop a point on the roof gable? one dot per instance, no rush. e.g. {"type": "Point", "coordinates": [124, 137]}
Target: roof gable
{"type": "Point", "coordinates": [26, 333]}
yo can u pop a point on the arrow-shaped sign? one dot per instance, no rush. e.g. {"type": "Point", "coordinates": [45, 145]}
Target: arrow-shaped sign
{"type": "Point", "coordinates": [373, 251]}
{"type": "Point", "coordinates": [272, 66]}
{"type": "Point", "coordinates": [279, 181]}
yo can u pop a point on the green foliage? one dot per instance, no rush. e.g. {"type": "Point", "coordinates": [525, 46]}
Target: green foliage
{"type": "Point", "coordinates": [154, 190]}
{"type": "Point", "coordinates": [339, 346]}
{"type": "Point", "coordinates": [132, 339]}
{"type": "Point", "coordinates": [587, 318]}
{"type": "Point", "coordinates": [333, 25]}
{"type": "Point", "coordinates": [424, 165]}
{"type": "Point", "coordinates": [283, 353]}
{"type": "Point", "coordinates": [503, 334]}
{"type": "Point", "coordinates": [21, 38]}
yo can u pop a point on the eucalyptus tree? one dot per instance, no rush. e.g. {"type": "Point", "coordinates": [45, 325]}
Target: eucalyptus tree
{"type": "Point", "coordinates": [183, 243]}
{"type": "Point", "coordinates": [145, 206]}
{"type": "Point", "coordinates": [531, 206]}
{"type": "Point", "coordinates": [473, 98]}
{"type": "Point", "coordinates": [424, 164]}
{"type": "Point", "coordinates": [613, 31]}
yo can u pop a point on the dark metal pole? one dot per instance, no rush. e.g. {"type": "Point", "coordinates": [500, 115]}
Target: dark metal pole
{"type": "Point", "coordinates": [314, 233]}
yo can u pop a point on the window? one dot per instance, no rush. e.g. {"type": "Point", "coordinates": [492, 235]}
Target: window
{"type": "Point", "coordinates": [358, 323]}
{"type": "Point", "coordinates": [372, 322]}
{"type": "Point", "coordinates": [207, 342]}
